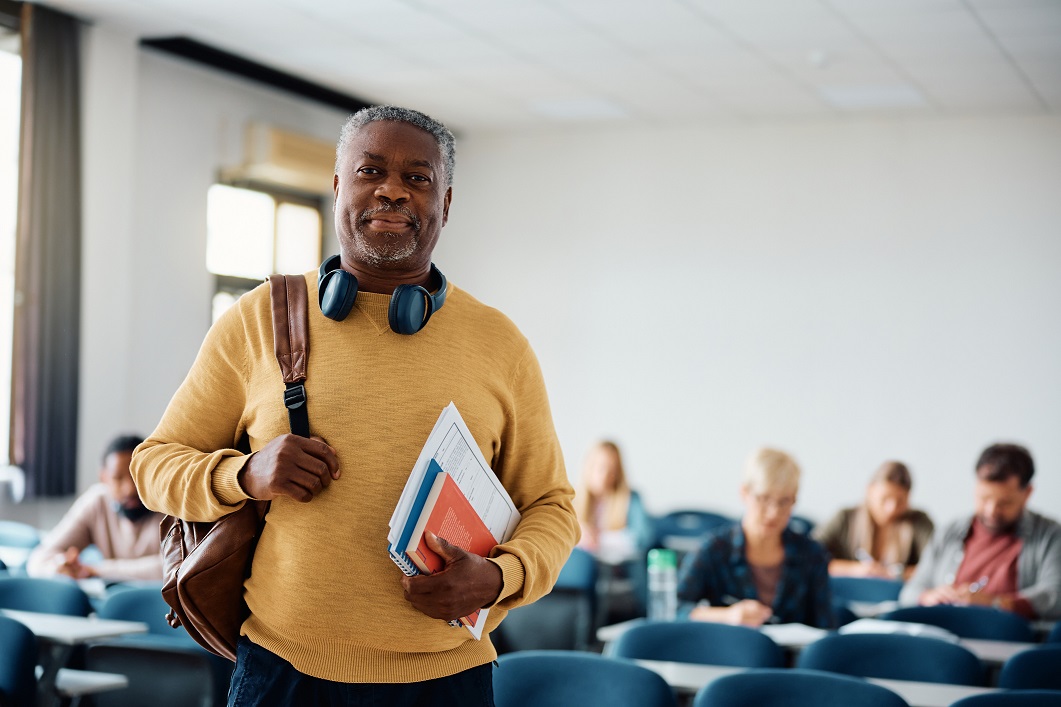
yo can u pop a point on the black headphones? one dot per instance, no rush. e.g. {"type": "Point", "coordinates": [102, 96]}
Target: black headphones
{"type": "Point", "coordinates": [411, 305]}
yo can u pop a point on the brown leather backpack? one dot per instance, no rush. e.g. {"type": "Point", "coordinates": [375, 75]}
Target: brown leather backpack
{"type": "Point", "coordinates": [205, 564]}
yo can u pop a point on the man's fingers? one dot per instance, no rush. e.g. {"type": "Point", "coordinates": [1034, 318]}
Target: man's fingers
{"type": "Point", "coordinates": [326, 453]}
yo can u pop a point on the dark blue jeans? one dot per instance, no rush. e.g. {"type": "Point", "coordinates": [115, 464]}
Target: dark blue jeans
{"type": "Point", "coordinates": [263, 679]}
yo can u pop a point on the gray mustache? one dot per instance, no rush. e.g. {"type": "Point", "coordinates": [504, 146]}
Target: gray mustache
{"type": "Point", "coordinates": [368, 214]}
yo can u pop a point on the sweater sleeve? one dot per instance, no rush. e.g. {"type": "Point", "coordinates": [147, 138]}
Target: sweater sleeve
{"type": "Point", "coordinates": [188, 468]}
{"type": "Point", "coordinates": [531, 467]}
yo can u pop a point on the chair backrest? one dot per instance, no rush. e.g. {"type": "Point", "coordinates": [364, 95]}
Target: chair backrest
{"type": "Point", "coordinates": [1055, 634]}
{"type": "Point", "coordinates": [564, 619]}
{"type": "Point", "coordinates": [140, 604]}
{"type": "Point", "coordinates": [697, 642]}
{"type": "Point", "coordinates": [867, 589]}
{"type": "Point", "coordinates": [1034, 669]}
{"type": "Point", "coordinates": [968, 621]}
{"type": "Point", "coordinates": [579, 572]}
{"type": "Point", "coordinates": [794, 688]}
{"type": "Point", "coordinates": [687, 523]}
{"type": "Point", "coordinates": [16, 542]}
{"type": "Point", "coordinates": [49, 596]}
{"type": "Point", "coordinates": [1022, 698]}
{"type": "Point", "coordinates": [18, 659]}
{"type": "Point", "coordinates": [895, 657]}
{"type": "Point", "coordinates": [533, 678]}
{"type": "Point", "coordinates": [160, 678]}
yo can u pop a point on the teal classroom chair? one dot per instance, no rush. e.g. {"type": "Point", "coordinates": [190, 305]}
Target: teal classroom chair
{"type": "Point", "coordinates": [699, 642]}
{"type": "Point", "coordinates": [895, 657]}
{"type": "Point", "coordinates": [574, 679]}
{"type": "Point", "coordinates": [794, 688]}
{"type": "Point", "coordinates": [968, 621]}
{"type": "Point", "coordinates": [198, 677]}
{"type": "Point", "coordinates": [49, 596]}
{"type": "Point", "coordinates": [1034, 669]}
{"type": "Point", "coordinates": [18, 659]}
{"type": "Point", "coordinates": [1019, 698]}
{"type": "Point", "coordinates": [865, 589]}
{"type": "Point", "coordinates": [564, 619]}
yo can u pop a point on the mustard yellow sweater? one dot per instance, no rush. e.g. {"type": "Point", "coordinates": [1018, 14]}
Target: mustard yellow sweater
{"type": "Point", "coordinates": [323, 592]}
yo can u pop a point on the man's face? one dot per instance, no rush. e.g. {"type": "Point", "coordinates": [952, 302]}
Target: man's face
{"type": "Point", "coordinates": [391, 198]}
{"type": "Point", "coordinates": [999, 504]}
{"type": "Point", "coordinates": [119, 482]}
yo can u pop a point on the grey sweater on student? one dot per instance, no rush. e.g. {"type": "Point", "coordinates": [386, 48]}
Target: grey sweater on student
{"type": "Point", "coordinates": [1038, 567]}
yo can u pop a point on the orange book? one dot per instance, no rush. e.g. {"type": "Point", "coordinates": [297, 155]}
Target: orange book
{"type": "Point", "coordinates": [448, 514]}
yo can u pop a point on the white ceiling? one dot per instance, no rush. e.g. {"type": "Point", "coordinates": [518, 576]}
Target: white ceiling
{"type": "Point", "coordinates": [511, 63]}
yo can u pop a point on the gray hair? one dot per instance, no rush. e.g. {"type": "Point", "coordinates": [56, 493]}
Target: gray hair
{"type": "Point", "coordinates": [446, 144]}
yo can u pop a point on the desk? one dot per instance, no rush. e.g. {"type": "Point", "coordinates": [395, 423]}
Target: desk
{"type": "Point", "coordinates": [689, 678]}
{"type": "Point", "coordinates": [60, 634]}
{"type": "Point", "coordinates": [992, 653]}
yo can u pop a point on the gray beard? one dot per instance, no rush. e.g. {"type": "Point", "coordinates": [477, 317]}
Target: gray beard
{"type": "Point", "coordinates": [388, 253]}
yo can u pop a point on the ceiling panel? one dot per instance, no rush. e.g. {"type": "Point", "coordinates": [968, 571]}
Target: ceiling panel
{"type": "Point", "coordinates": [492, 63]}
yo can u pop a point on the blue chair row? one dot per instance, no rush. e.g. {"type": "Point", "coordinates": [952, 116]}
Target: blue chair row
{"type": "Point", "coordinates": [563, 678]}
{"type": "Point", "coordinates": [968, 621]}
{"type": "Point", "coordinates": [18, 658]}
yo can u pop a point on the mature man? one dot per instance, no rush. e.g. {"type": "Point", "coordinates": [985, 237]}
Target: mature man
{"type": "Point", "coordinates": [110, 516]}
{"type": "Point", "coordinates": [1004, 556]}
{"type": "Point", "coordinates": [333, 620]}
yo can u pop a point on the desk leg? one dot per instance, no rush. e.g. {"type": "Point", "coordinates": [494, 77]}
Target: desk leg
{"type": "Point", "coordinates": [54, 657]}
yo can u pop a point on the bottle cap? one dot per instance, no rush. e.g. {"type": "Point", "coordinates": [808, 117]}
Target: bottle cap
{"type": "Point", "coordinates": [662, 559]}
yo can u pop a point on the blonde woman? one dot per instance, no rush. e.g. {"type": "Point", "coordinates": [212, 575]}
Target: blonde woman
{"type": "Point", "coordinates": [883, 537]}
{"type": "Point", "coordinates": [756, 570]}
{"type": "Point", "coordinates": [614, 523]}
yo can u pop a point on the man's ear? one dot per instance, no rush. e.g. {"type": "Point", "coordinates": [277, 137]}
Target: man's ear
{"type": "Point", "coordinates": [445, 204]}
{"type": "Point", "coordinates": [335, 187]}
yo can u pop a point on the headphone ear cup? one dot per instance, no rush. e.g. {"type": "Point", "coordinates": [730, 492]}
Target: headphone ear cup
{"type": "Point", "coordinates": [336, 293]}
{"type": "Point", "coordinates": [408, 312]}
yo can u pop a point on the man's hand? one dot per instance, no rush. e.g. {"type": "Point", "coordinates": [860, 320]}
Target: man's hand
{"type": "Point", "coordinates": [71, 565]}
{"type": "Point", "coordinates": [290, 466]}
{"type": "Point", "coordinates": [945, 594]}
{"type": "Point", "coordinates": [467, 582]}
{"type": "Point", "coordinates": [749, 612]}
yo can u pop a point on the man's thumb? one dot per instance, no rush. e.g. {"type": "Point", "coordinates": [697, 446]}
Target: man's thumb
{"type": "Point", "coordinates": [442, 547]}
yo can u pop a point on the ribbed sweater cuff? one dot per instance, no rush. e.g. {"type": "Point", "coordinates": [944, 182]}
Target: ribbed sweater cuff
{"type": "Point", "coordinates": [512, 575]}
{"type": "Point", "coordinates": [224, 481]}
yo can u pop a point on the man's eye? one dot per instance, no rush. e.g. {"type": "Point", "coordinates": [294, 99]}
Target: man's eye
{"type": "Point", "coordinates": [418, 178]}
{"type": "Point", "coordinates": [368, 170]}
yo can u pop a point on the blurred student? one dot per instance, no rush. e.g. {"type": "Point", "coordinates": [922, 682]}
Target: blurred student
{"type": "Point", "coordinates": [613, 519]}
{"type": "Point", "coordinates": [883, 537]}
{"type": "Point", "coordinates": [110, 516]}
{"type": "Point", "coordinates": [1004, 555]}
{"type": "Point", "coordinates": [757, 570]}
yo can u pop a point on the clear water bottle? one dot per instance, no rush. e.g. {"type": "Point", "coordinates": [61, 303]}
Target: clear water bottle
{"type": "Point", "coordinates": [662, 585]}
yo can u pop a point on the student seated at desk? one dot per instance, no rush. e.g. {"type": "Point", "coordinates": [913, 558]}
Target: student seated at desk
{"type": "Point", "coordinates": [1003, 555]}
{"type": "Point", "coordinates": [110, 516]}
{"type": "Point", "coordinates": [614, 524]}
{"type": "Point", "coordinates": [883, 537]}
{"type": "Point", "coordinates": [757, 570]}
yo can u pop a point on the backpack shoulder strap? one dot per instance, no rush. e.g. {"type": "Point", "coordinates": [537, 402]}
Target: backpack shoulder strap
{"type": "Point", "coordinates": [291, 343]}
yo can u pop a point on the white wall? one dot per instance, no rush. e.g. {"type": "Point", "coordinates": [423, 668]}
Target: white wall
{"type": "Point", "coordinates": [849, 291]}
{"type": "Point", "coordinates": [157, 131]}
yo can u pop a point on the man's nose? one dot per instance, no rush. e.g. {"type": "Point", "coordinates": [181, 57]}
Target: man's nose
{"type": "Point", "coordinates": [392, 189]}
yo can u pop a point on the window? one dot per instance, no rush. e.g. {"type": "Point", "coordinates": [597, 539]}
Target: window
{"type": "Point", "coordinates": [251, 234]}
{"type": "Point", "coordinates": [10, 102]}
